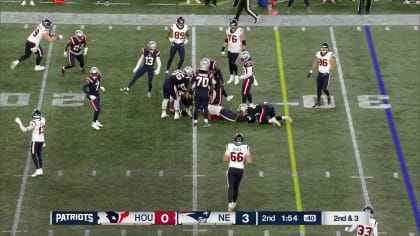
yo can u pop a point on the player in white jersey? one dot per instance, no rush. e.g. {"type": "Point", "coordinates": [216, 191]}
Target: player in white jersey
{"type": "Point", "coordinates": [365, 230]}
{"type": "Point", "coordinates": [325, 62]}
{"type": "Point", "coordinates": [33, 44]}
{"type": "Point", "coordinates": [237, 154]}
{"type": "Point", "coordinates": [37, 126]}
{"type": "Point", "coordinates": [178, 37]}
{"type": "Point", "coordinates": [235, 41]}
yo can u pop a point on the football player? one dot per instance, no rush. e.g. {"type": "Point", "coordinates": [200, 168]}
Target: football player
{"type": "Point", "coordinates": [365, 230]}
{"type": "Point", "coordinates": [76, 48]}
{"type": "Point", "coordinates": [201, 84]}
{"type": "Point", "coordinates": [247, 5]}
{"type": "Point", "coordinates": [236, 154]}
{"type": "Point", "coordinates": [235, 42]}
{"type": "Point", "coordinates": [33, 44]}
{"type": "Point", "coordinates": [248, 78]}
{"type": "Point", "coordinates": [326, 63]}
{"type": "Point", "coordinates": [150, 63]}
{"type": "Point", "coordinates": [98, 2]}
{"type": "Point", "coordinates": [261, 114]}
{"type": "Point", "coordinates": [219, 88]}
{"type": "Point", "coordinates": [170, 90]}
{"type": "Point", "coordinates": [91, 89]}
{"type": "Point", "coordinates": [178, 37]}
{"type": "Point", "coordinates": [37, 126]}
{"type": "Point", "coordinates": [31, 2]}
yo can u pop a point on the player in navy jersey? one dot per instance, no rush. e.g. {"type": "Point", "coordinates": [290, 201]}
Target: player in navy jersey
{"type": "Point", "coordinates": [150, 63]}
{"type": "Point", "coordinates": [201, 83]}
{"type": "Point", "coordinates": [261, 114]}
{"type": "Point", "coordinates": [170, 90]}
{"type": "Point", "coordinates": [76, 48]}
{"type": "Point", "coordinates": [91, 89]}
{"type": "Point", "coordinates": [218, 86]}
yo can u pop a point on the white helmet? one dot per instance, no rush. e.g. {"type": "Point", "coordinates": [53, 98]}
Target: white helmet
{"type": "Point", "coordinates": [188, 71]}
{"type": "Point", "coordinates": [243, 107]}
{"type": "Point", "coordinates": [79, 34]}
{"type": "Point", "coordinates": [244, 55]}
{"type": "Point", "coordinates": [205, 64]}
{"type": "Point", "coordinates": [152, 45]}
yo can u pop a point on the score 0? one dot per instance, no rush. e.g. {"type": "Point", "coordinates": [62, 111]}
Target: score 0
{"type": "Point", "coordinates": [165, 218]}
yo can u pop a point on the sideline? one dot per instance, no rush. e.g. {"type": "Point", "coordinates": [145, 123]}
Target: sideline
{"type": "Point", "coordinates": [211, 20]}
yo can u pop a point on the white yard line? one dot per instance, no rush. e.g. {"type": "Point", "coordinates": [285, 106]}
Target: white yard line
{"type": "Point", "coordinates": [350, 121]}
{"type": "Point", "coordinates": [29, 159]}
{"type": "Point", "coordinates": [194, 138]}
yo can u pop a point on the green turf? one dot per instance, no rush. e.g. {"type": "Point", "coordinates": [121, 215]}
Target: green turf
{"type": "Point", "coordinates": [135, 138]}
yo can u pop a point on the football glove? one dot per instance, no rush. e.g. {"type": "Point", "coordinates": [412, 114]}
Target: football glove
{"type": "Point", "coordinates": [156, 72]}
{"type": "Point", "coordinates": [65, 54]}
{"type": "Point", "coordinates": [92, 97]}
{"type": "Point", "coordinates": [309, 74]}
{"type": "Point", "coordinates": [185, 41]}
{"type": "Point", "coordinates": [171, 40]}
{"type": "Point", "coordinates": [102, 88]}
{"type": "Point", "coordinates": [60, 36]}
{"type": "Point", "coordinates": [85, 51]}
{"type": "Point", "coordinates": [34, 49]}
{"type": "Point", "coordinates": [18, 121]}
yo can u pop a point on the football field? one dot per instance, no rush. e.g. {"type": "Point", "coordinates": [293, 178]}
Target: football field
{"type": "Point", "coordinates": [363, 149]}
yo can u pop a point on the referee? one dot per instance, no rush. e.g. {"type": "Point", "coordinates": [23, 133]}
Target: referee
{"type": "Point", "coordinates": [361, 5]}
{"type": "Point", "coordinates": [241, 4]}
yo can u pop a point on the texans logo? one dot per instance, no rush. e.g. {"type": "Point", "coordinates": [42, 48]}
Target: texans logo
{"type": "Point", "coordinates": [115, 217]}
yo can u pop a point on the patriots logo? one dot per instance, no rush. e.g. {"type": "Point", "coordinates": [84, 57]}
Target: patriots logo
{"type": "Point", "coordinates": [115, 217]}
{"type": "Point", "coordinates": [199, 216]}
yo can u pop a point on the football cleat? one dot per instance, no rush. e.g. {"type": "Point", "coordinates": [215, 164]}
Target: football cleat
{"type": "Point", "coordinates": [164, 115]}
{"type": "Point", "coordinates": [274, 122]}
{"type": "Point", "coordinates": [149, 94]}
{"type": "Point", "coordinates": [37, 172]}
{"type": "Point", "coordinates": [13, 64]}
{"type": "Point", "coordinates": [99, 124]}
{"type": "Point", "coordinates": [195, 124]}
{"type": "Point", "coordinates": [236, 79]}
{"type": "Point", "coordinates": [289, 119]}
{"type": "Point", "coordinates": [231, 79]}
{"type": "Point", "coordinates": [125, 90]}
{"type": "Point", "coordinates": [177, 116]}
{"type": "Point", "coordinates": [32, 3]}
{"type": "Point", "coordinates": [206, 125]}
{"type": "Point", "coordinates": [95, 126]}
{"type": "Point", "coordinates": [39, 68]}
{"type": "Point", "coordinates": [23, 3]}
{"type": "Point", "coordinates": [316, 105]}
{"type": "Point", "coordinates": [228, 98]}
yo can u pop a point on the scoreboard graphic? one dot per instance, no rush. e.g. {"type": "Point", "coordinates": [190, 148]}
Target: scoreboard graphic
{"type": "Point", "coordinates": [209, 218]}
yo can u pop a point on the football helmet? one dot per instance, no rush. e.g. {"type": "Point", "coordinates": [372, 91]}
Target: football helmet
{"type": "Point", "coordinates": [243, 107]}
{"type": "Point", "coordinates": [94, 72]}
{"type": "Point", "coordinates": [244, 55]}
{"type": "Point", "coordinates": [188, 71]}
{"type": "Point", "coordinates": [79, 34]}
{"type": "Point", "coordinates": [47, 23]}
{"type": "Point", "coordinates": [205, 64]}
{"type": "Point", "coordinates": [233, 24]}
{"type": "Point", "coordinates": [324, 48]}
{"type": "Point", "coordinates": [368, 209]}
{"type": "Point", "coordinates": [36, 114]}
{"type": "Point", "coordinates": [238, 138]}
{"type": "Point", "coordinates": [152, 45]}
{"type": "Point", "coordinates": [213, 65]}
{"type": "Point", "coordinates": [180, 22]}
